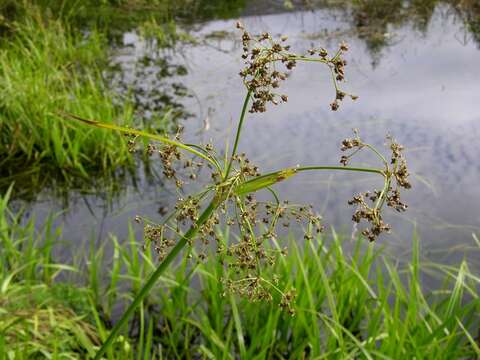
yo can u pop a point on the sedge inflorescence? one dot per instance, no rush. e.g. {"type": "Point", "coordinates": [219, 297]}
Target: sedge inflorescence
{"type": "Point", "coordinates": [369, 204]}
{"type": "Point", "coordinates": [229, 197]}
{"type": "Point", "coordinates": [233, 182]}
{"type": "Point", "coordinates": [269, 62]}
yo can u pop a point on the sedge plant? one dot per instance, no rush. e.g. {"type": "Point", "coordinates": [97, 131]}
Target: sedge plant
{"type": "Point", "coordinates": [229, 198]}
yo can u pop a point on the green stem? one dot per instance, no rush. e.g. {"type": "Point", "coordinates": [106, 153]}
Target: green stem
{"type": "Point", "coordinates": [342, 168]}
{"type": "Point", "coordinates": [309, 59]}
{"type": "Point", "coordinates": [260, 182]}
{"type": "Point", "coordinates": [386, 186]}
{"type": "Point", "coordinates": [384, 160]}
{"type": "Point", "coordinates": [310, 168]}
{"type": "Point", "coordinates": [381, 198]}
{"type": "Point", "coordinates": [237, 135]}
{"type": "Point", "coordinates": [155, 275]}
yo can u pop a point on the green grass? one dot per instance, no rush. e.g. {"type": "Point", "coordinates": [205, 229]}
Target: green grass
{"type": "Point", "coordinates": [354, 303]}
{"type": "Point", "coordinates": [41, 317]}
{"type": "Point", "coordinates": [122, 15]}
{"type": "Point", "coordinates": [45, 69]}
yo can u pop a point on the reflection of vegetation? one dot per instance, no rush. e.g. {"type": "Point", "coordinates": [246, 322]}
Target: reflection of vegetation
{"type": "Point", "coordinates": [124, 14]}
{"type": "Point", "coordinates": [164, 34]}
{"type": "Point", "coordinates": [373, 20]}
{"type": "Point", "coordinates": [469, 11]}
{"type": "Point", "coordinates": [154, 97]}
{"type": "Point", "coordinates": [210, 9]}
{"type": "Point", "coordinates": [32, 179]}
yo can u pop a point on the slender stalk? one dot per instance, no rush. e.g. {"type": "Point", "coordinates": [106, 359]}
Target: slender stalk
{"type": "Point", "coordinates": [237, 135]}
{"type": "Point", "coordinates": [263, 181]}
{"type": "Point", "coordinates": [311, 168]}
{"type": "Point", "coordinates": [342, 168]}
{"type": "Point", "coordinates": [308, 59]}
{"type": "Point", "coordinates": [384, 160]}
{"type": "Point", "coordinates": [155, 275]}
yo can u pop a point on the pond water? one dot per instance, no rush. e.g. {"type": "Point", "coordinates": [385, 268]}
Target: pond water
{"type": "Point", "coordinates": [419, 81]}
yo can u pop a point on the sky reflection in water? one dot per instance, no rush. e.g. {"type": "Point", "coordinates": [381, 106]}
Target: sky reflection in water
{"type": "Point", "coordinates": [423, 89]}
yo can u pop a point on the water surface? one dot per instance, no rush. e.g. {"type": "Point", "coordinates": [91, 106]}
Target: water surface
{"type": "Point", "coordinates": [418, 81]}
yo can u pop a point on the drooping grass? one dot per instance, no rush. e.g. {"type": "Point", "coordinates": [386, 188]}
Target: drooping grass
{"type": "Point", "coordinates": [351, 303]}
{"type": "Point", "coordinates": [45, 69]}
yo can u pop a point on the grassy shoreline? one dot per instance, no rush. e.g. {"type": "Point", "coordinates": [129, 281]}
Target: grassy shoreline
{"type": "Point", "coordinates": [46, 69]}
{"type": "Point", "coordinates": [349, 304]}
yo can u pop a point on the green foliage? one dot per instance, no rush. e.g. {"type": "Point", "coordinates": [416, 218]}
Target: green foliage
{"type": "Point", "coordinates": [353, 301]}
{"type": "Point", "coordinates": [41, 317]}
{"type": "Point", "coordinates": [120, 15]}
{"type": "Point", "coordinates": [46, 69]}
{"type": "Point", "coordinates": [38, 317]}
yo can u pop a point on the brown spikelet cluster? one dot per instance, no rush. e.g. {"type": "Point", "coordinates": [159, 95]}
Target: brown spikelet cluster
{"type": "Point", "coordinates": [169, 154]}
{"type": "Point", "coordinates": [131, 142]}
{"type": "Point", "coordinates": [248, 258]}
{"type": "Point", "coordinates": [259, 222]}
{"type": "Point", "coordinates": [287, 301]}
{"type": "Point", "coordinates": [170, 157]}
{"type": "Point", "coordinates": [262, 75]}
{"type": "Point", "coordinates": [369, 204]}
{"type": "Point", "coordinates": [155, 235]}
{"type": "Point", "coordinates": [400, 170]}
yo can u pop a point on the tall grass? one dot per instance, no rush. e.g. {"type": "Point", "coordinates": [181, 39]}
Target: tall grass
{"type": "Point", "coordinates": [45, 68]}
{"type": "Point", "coordinates": [352, 302]}
{"type": "Point", "coordinates": [358, 305]}
{"type": "Point", "coordinates": [40, 316]}
{"type": "Point", "coordinates": [122, 15]}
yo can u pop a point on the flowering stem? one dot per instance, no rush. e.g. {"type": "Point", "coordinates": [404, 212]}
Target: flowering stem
{"type": "Point", "coordinates": [384, 160]}
{"type": "Point", "coordinates": [237, 136]}
{"type": "Point", "coordinates": [310, 168]}
{"type": "Point", "coordinates": [342, 168]}
{"type": "Point", "coordinates": [189, 235]}
{"type": "Point", "coordinates": [304, 58]}
{"type": "Point", "coordinates": [260, 182]}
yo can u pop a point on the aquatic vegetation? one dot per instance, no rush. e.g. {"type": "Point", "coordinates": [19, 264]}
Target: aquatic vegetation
{"type": "Point", "coordinates": [165, 34]}
{"type": "Point", "coordinates": [41, 317]}
{"type": "Point", "coordinates": [48, 66]}
{"type": "Point", "coordinates": [45, 69]}
{"type": "Point", "coordinates": [230, 200]}
{"type": "Point", "coordinates": [358, 302]}
{"type": "Point", "coordinates": [113, 16]}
